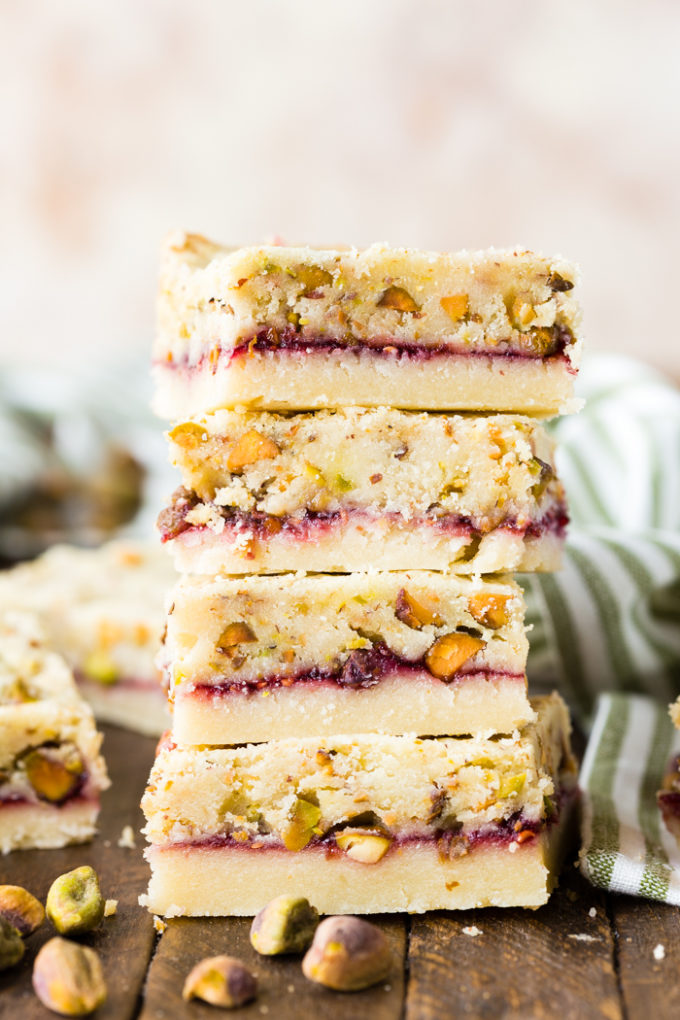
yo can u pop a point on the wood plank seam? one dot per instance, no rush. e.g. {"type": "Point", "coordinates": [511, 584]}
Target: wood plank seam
{"type": "Point", "coordinates": [616, 954]}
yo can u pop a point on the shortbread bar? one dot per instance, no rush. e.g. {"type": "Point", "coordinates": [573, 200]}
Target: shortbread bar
{"type": "Point", "coordinates": [104, 611]}
{"type": "Point", "coordinates": [264, 658]}
{"type": "Point", "coordinates": [347, 489]}
{"type": "Point", "coordinates": [282, 328]}
{"type": "Point", "coordinates": [51, 772]}
{"type": "Point", "coordinates": [668, 797]}
{"type": "Point", "coordinates": [362, 824]}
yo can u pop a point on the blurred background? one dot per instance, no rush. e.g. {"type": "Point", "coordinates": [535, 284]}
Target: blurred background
{"type": "Point", "coordinates": [434, 124]}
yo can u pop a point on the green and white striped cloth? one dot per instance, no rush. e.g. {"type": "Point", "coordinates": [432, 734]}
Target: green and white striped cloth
{"type": "Point", "coordinates": [610, 620]}
{"type": "Point", "coordinates": [625, 845]}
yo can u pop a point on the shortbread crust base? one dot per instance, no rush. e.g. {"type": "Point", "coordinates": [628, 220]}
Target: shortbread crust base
{"type": "Point", "coordinates": [291, 380]}
{"type": "Point", "coordinates": [397, 704]}
{"type": "Point", "coordinates": [206, 881]}
{"type": "Point", "coordinates": [352, 546]}
{"type": "Point", "coordinates": [46, 826]}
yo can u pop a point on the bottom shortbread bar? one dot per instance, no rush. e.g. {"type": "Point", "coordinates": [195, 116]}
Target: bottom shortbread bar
{"type": "Point", "coordinates": [364, 823]}
{"type": "Point", "coordinates": [38, 826]}
{"type": "Point", "coordinates": [51, 772]}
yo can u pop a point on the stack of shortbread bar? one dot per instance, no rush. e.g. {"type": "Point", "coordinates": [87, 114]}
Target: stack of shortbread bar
{"type": "Point", "coordinates": [362, 463]}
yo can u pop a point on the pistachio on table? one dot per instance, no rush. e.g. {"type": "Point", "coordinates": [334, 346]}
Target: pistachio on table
{"type": "Point", "coordinates": [347, 954]}
{"type": "Point", "coordinates": [286, 925]}
{"type": "Point", "coordinates": [74, 903]}
{"type": "Point", "coordinates": [21, 909]}
{"type": "Point", "coordinates": [68, 978]}
{"type": "Point", "coordinates": [11, 945]}
{"type": "Point", "coordinates": [221, 981]}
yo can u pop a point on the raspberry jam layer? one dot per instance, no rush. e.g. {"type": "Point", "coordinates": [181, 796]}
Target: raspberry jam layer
{"type": "Point", "coordinates": [449, 842]}
{"type": "Point", "coordinates": [551, 342]}
{"type": "Point", "coordinates": [364, 668]}
{"type": "Point", "coordinates": [548, 343]}
{"type": "Point", "coordinates": [310, 524]}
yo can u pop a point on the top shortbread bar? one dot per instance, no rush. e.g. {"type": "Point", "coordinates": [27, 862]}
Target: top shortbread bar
{"type": "Point", "coordinates": [278, 328]}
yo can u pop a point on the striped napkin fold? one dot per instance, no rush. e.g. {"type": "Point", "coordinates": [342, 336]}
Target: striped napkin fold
{"type": "Point", "coordinates": [606, 629]}
{"type": "Point", "coordinates": [609, 620]}
{"type": "Point", "coordinates": [625, 845]}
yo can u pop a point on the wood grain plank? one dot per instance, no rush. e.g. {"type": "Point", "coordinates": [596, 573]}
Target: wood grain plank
{"type": "Point", "coordinates": [125, 941]}
{"type": "Point", "coordinates": [523, 964]}
{"type": "Point", "coordinates": [284, 993]}
{"type": "Point", "coordinates": [650, 986]}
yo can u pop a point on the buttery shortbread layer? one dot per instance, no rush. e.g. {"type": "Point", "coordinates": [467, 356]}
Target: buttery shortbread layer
{"type": "Point", "coordinates": [351, 544]}
{"type": "Point", "coordinates": [211, 881]}
{"type": "Point", "coordinates": [446, 813]}
{"type": "Point", "coordinates": [290, 381]}
{"type": "Point", "coordinates": [104, 611]}
{"type": "Point", "coordinates": [311, 491]}
{"type": "Point", "coordinates": [25, 826]}
{"type": "Point", "coordinates": [222, 311]}
{"type": "Point", "coordinates": [339, 638]}
{"type": "Point", "coordinates": [297, 792]}
{"type": "Point", "coordinates": [397, 704]}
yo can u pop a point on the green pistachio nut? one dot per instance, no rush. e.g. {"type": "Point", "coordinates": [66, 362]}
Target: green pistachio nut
{"type": "Point", "coordinates": [286, 925]}
{"type": "Point", "coordinates": [302, 825]}
{"type": "Point", "coordinates": [75, 904]}
{"type": "Point", "coordinates": [221, 981]}
{"type": "Point", "coordinates": [11, 945]}
{"type": "Point", "coordinates": [22, 910]}
{"type": "Point", "coordinates": [347, 954]}
{"type": "Point", "coordinates": [68, 978]}
{"type": "Point", "coordinates": [54, 772]}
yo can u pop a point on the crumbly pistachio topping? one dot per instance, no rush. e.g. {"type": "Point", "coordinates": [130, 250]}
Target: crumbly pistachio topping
{"type": "Point", "coordinates": [486, 469]}
{"type": "Point", "coordinates": [499, 301]}
{"type": "Point", "coordinates": [350, 628]}
{"type": "Point", "coordinates": [358, 795]}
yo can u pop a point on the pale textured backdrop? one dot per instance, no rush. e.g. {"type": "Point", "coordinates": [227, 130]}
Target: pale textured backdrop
{"type": "Point", "coordinates": [436, 124]}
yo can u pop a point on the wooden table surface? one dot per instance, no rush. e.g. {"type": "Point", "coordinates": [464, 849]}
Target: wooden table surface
{"type": "Point", "coordinates": [583, 955]}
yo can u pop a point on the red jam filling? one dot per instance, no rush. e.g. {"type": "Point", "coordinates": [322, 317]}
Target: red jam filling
{"type": "Point", "coordinates": [172, 521]}
{"type": "Point", "coordinates": [364, 668]}
{"type": "Point", "coordinates": [552, 345]}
